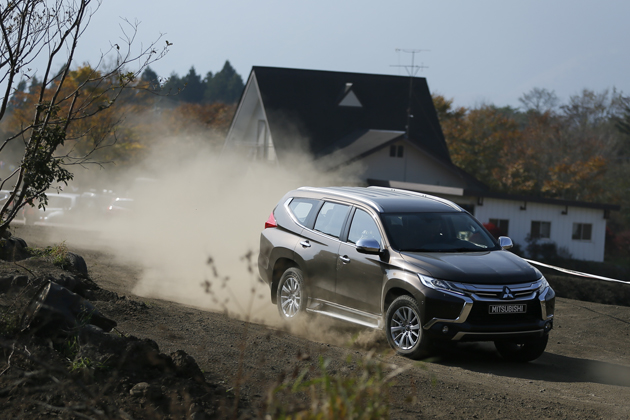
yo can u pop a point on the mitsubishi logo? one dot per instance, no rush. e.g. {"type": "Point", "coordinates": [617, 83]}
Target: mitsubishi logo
{"type": "Point", "coordinates": [507, 293]}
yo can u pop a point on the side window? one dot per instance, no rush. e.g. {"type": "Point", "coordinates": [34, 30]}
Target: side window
{"type": "Point", "coordinates": [301, 208]}
{"type": "Point", "coordinates": [330, 218]}
{"type": "Point", "coordinates": [363, 226]}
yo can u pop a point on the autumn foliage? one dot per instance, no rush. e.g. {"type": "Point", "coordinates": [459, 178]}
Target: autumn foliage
{"type": "Point", "coordinates": [125, 133]}
{"type": "Point", "coordinates": [574, 151]}
{"type": "Point", "coordinates": [550, 153]}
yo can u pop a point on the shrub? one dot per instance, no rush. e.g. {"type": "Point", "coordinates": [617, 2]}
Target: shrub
{"type": "Point", "coordinates": [362, 395]}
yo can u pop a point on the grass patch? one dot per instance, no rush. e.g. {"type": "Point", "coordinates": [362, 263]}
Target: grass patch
{"type": "Point", "coordinates": [55, 254]}
{"type": "Point", "coordinates": [9, 323]}
{"type": "Point", "coordinates": [363, 394]}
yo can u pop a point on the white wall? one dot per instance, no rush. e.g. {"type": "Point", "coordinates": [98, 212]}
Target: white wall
{"type": "Point", "coordinates": [561, 225]}
{"type": "Point", "coordinates": [243, 137]}
{"type": "Point", "coordinates": [415, 166]}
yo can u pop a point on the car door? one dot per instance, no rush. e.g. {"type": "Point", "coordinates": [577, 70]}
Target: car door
{"type": "Point", "coordinates": [360, 277]}
{"type": "Point", "coordinates": [319, 249]}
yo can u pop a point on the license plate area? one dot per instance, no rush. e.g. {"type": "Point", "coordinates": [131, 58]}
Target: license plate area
{"type": "Point", "coordinates": [507, 309]}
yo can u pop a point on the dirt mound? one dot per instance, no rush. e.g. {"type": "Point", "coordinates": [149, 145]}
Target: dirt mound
{"type": "Point", "coordinates": [58, 362]}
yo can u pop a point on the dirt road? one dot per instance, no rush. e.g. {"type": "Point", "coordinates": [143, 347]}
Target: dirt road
{"type": "Point", "coordinates": [585, 373]}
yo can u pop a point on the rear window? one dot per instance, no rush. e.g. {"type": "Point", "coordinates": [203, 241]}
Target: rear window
{"type": "Point", "coordinates": [301, 208]}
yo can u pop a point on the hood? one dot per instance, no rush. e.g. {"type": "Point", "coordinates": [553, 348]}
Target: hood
{"type": "Point", "coordinates": [492, 267]}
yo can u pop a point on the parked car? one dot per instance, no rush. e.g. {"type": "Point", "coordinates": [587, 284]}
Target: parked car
{"type": "Point", "coordinates": [120, 207]}
{"type": "Point", "coordinates": [60, 209]}
{"type": "Point", "coordinates": [418, 266]}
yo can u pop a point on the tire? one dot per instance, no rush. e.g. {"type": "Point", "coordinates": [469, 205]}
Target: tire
{"type": "Point", "coordinates": [403, 328]}
{"type": "Point", "coordinates": [291, 296]}
{"type": "Point", "coordinates": [522, 352]}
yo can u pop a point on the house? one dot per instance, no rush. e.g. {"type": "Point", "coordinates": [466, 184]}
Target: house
{"type": "Point", "coordinates": [389, 125]}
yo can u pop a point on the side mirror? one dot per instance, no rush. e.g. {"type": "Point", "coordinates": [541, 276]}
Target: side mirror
{"type": "Point", "coordinates": [505, 242]}
{"type": "Point", "coordinates": [368, 246]}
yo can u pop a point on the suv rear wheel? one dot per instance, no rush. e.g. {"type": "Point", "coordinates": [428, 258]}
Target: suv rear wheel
{"type": "Point", "coordinates": [522, 352]}
{"type": "Point", "coordinates": [291, 295]}
{"type": "Point", "coordinates": [404, 328]}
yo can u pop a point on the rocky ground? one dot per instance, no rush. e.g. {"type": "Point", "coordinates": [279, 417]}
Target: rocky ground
{"type": "Point", "coordinates": [167, 360]}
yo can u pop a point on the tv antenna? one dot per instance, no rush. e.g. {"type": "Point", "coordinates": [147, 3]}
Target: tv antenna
{"type": "Point", "coordinates": [412, 70]}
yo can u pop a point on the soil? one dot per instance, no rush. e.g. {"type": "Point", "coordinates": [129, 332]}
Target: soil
{"type": "Point", "coordinates": [175, 361]}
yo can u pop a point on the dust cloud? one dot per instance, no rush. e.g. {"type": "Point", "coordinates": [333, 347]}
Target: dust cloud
{"type": "Point", "coordinates": [196, 224]}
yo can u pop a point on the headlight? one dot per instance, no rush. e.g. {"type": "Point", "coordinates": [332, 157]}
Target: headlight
{"type": "Point", "coordinates": [543, 283]}
{"type": "Point", "coordinates": [436, 284]}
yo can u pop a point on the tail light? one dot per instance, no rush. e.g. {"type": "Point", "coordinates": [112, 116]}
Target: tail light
{"type": "Point", "coordinates": [271, 222]}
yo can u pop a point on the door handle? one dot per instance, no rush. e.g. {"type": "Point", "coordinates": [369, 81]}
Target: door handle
{"type": "Point", "coordinates": [305, 244]}
{"type": "Point", "coordinates": [345, 259]}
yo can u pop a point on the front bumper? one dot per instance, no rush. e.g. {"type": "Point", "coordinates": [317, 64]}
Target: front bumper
{"type": "Point", "coordinates": [474, 322]}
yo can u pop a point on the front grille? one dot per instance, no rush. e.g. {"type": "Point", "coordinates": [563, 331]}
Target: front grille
{"type": "Point", "coordinates": [479, 314]}
{"type": "Point", "coordinates": [499, 294]}
{"type": "Point", "coordinates": [483, 292]}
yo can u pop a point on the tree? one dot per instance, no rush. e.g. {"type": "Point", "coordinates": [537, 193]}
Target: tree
{"type": "Point", "coordinates": [478, 141]}
{"type": "Point", "coordinates": [225, 86]}
{"type": "Point", "coordinates": [539, 100]}
{"type": "Point", "coordinates": [65, 99]}
{"type": "Point", "coordinates": [623, 122]}
{"type": "Point", "coordinates": [151, 79]}
{"type": "Point", "coordinates": [193, 90]}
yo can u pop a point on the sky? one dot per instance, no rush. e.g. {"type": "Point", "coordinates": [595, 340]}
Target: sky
{"type": "Point", "coordinates": [474, 52]}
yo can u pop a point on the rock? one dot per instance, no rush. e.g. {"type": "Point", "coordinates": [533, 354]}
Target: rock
{"type": "Point", "coordinates": [186, 366]}
{"type": "Point", "coordinates": [77, 263]}
{"type": "Point", "coordinates": [145, 390]}
{"type": "Point", "coordinates": [56, 309]}
{"type": "Point", "coordinates": [13, 284]}
{"type": "Point", "coordinates": [13, 249]}
{"type": "Point", "coordinates": [145, 354]}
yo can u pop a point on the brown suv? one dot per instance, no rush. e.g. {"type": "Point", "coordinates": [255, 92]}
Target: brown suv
{"type": "Point", "coordinates": [416, 265]}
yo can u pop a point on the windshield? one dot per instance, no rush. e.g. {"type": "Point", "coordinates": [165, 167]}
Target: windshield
{"type": "Point", "coordinates": [437, 232]}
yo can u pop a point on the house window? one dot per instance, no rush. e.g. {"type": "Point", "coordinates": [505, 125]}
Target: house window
{"type": "Point", "coordinates": [582, 231]}
{"type": "Point", "coordinates": [540, 230]}
{"type": "Point", "coordinates": [501, 225]}
{"type": "Point", "coordinates": [396, 151]}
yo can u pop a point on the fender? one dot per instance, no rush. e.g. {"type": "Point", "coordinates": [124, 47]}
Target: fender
{"type": "Point", "coordinates": [404, 283]}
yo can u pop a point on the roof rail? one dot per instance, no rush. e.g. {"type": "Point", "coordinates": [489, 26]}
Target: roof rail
{"type": "Point", "coordinates": [339, 192]}
{"type": "Point", "coordinates": [419, 194]}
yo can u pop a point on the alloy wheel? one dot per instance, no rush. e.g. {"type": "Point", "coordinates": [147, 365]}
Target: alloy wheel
{"type": "Point", "coordinates": [291, 297]}
{"type": "Point", "coordinates": [405, 328]}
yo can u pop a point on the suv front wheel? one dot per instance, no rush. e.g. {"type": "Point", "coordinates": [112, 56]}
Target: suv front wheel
{"type": "Point", "coordinates": [404, 328]}
{"type": "Point", "coordinates": [291, 294]}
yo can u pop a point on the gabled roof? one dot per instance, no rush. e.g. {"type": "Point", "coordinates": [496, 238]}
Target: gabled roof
{"type": "Point", "coordinates": [326, 108]}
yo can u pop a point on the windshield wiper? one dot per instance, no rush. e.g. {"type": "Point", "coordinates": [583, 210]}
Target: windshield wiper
{"type": "Point", "coordinates": [466, 250]}
{"type": "Point", "coordinates": [444, 250]}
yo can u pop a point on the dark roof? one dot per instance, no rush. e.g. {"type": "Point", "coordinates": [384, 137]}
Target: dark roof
{"type": "Point", "coordinates": [543, 200]}
{"type": "Point", "coordinates": [486, 193]}
{"type": "Point", "coordinates": [304, 104]}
